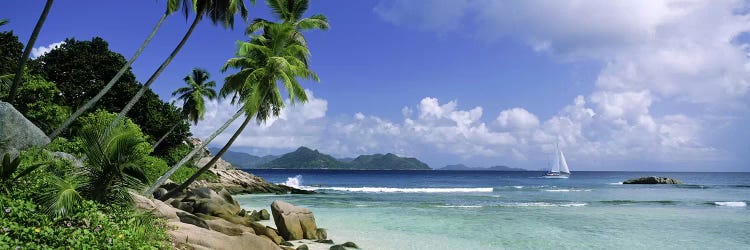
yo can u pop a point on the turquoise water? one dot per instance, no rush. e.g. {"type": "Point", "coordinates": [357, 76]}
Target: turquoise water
{"type": "Point", "coordinates": [518, 210]}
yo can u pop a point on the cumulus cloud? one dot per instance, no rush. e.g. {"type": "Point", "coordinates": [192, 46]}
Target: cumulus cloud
{"type": "Point", "coordinates": [517, 118]}
{"type": "Point", "coordinates": [296, 126]}
{"type": "Point", "coordinates": [654, 55]}
{"type": "Point", "coordinates": [41, 50]}
{"type": "Point", "coordinates": [681, 49]}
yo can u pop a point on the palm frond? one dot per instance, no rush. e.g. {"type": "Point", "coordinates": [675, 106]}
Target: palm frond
{"type": "Point", "coordinates": [62, 198]}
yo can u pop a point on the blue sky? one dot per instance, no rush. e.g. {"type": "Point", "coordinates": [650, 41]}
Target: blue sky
{"type": "Point", "coordinates": [638, 85]}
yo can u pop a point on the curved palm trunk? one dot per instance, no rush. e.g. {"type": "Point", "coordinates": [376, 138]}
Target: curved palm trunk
{"type": "Point", "coordinates": [164, 136]}
{"type": "Point", "coordinates": [208, 165]}
{"type": "Point", "coordinates": [27, 52]}
{"type": "Point", "coordinates": [190, 155]}
{"type": "Point", "coordinates": [109, 85]}
{"type": "Point", "coordinates": [156, 74]}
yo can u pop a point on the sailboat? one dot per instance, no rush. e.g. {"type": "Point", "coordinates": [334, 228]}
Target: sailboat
{"type": "Point", "coordinates": [559, 168]}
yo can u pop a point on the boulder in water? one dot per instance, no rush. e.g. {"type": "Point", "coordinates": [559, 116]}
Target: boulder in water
{"type": "Point", "coordinates": [337, 247]}
{"type": "Point", "coordinates": [264, 215]}
{"type": "Point", "coordinates": [293, 222]}
{"type": "Point", "coordinates": [652, 180]}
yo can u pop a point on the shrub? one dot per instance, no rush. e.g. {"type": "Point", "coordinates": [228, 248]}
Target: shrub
{"type": "Point", "coordinates": [22, 224]}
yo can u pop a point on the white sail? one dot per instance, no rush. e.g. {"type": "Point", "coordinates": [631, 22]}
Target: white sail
{"type": "Point", "coordinates": [555, 168]}
{"type": "Point", "coordinates": [562, 165]}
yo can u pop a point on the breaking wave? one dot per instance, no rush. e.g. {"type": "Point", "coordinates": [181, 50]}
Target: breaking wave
{"type": "Point", "coordinates": [403, 190]}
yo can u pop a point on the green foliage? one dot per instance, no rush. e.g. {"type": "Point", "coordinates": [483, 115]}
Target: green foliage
{"type": "Point", "coordinates": [11, 171]}
{"type": "Point", "coordinates": [112, 153]}
{"type": "Point", "coordinates": [192, 96]}
{"type": "Point", "coordinates": [10, 51]}
{"type": "Point", "coordinates": [61, 144]}
{"type": "Point", "coordinates": [177, 153]}
{"type": "Point", "coordinates": [268, 59]}
{"type": "Point", "coordinates": [39, 101]}
{"type": "Point", "coordinates": [82, 68]}
{"type": "Point", "coordinates": [93, 227]}
{"type": "Point", "coordinates": [100, 120]}
{"type": "Point", "coordinates": [155, 167]}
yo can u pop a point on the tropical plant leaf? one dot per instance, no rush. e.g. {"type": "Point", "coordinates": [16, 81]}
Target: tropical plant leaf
{"type": "Point", "coordinates": [62, 198]}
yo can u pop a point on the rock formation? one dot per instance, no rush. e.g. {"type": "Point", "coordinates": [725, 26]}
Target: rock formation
{"type": "Point", "coordinates": [17, 132]}
{"type": "Point", "coordinates": [652, 180]}
{"type": "Point", "coordinates": [293, 222]}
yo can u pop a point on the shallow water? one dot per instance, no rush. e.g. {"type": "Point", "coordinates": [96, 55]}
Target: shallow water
{"type": "Point", "coordinates": [518, 210]}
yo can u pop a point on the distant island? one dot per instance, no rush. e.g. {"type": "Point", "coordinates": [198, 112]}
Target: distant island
{"type": "Point", "coordinates": [244, 160]}
{"type": "Point", "coordinates": [462, 167]}
{"type": "Point", "coordinates": [306, 158]}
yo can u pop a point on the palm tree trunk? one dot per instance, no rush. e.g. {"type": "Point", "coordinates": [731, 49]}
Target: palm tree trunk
{"type": "Point", "coordinates": [164, 136]}
{"type": "Point", "coordinates": [190, 155]}
{"type": "Point", "coordinates": [208, 165]}
{"type": "Point", "coordinates": [156, 74]}
{"type": "Point", "coordinates": [27, 52]}
{"type": "Point", "coordinates": [109, 85]}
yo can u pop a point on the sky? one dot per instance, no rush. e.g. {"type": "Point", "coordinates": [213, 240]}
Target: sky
{"type": "Point", "coordinates": [654, 85]}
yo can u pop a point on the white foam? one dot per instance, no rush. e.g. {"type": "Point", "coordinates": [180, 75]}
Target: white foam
{"type": "Point", "coordinates": [568, 190]}
{"type": "Point", "coordinates": [573, 205]}
{"type": "Point", "coordinates": [295, 182]}
{"type": "Point", "coordinates": [615, 183]}
{"type": "Point", "coordinates": [731, 203]}
{"type": "Point", "coordinates": [403, 190]}
{"type": "Point", "coordinates": [518, 187]}
{"type": "Point", "coordinates": [461, 206]}
{"type": "Point", "coordinates": [543, 204]}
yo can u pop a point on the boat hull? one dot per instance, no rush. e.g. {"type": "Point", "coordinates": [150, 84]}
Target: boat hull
{"type": "Point", "coordinates": [554, 175]}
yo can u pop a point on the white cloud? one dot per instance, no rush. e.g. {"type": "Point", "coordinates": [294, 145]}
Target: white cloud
{"type": "Point", "coordinates": [681, 49]}
{"type": "Point", "coordinates": [296, 126]}
{"type": "Point", "coordinates": [680, 57]}
{"type": "Point", "coordinates": [517, 118]}
{"type": "Point", "coordinates": [41, 50]}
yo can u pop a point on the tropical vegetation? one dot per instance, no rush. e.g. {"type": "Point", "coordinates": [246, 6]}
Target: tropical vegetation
{"type": "Point", "coordinates": [77, 190]}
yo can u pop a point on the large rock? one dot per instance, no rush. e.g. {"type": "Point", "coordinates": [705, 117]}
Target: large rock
{"type": "Point", "coordinates": [228, 228]}
{"type": "Point", "coordinates": [652, 180]}
{"type": "Point", "coordinates": [269, 232]}
{"type": "Point", "coordinates": [192, 219]}
{"type": "Point", "coordinates": [17, 132]}
{"type": "Point", "coordinates": [293, 222]}
{"type": "Point", "coordinates": [207, 201]}
{"type": "Point", "coordinates": [156, 207]}
{"type": "Point", "coordinates": [193, 237]}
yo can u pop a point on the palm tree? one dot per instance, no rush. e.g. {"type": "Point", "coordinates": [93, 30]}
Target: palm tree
{"type": "Point", "coordinates": [267, 60]}
{"type": "Point", "coordinates": [172, 6]}
{"type": "Point", "coordinates": [291, 11]}
{"type": "Point", "coordinates": [219, 11]}
{"type": "Point", "coordinates": [3, 21]}
{"type": "Point", "coordinates": [27, 52]}
{"type": "Point", "coordinates": [192, 96]}
{"type": "Point", "coordinates": [108, 176]}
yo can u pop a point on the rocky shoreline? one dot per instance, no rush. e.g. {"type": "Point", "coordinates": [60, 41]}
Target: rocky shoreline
{"type": "Point", "coordinates": [206, 216]}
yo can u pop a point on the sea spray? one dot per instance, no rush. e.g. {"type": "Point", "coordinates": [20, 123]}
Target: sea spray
{"type": "Point", "coordinates": [294, 182]}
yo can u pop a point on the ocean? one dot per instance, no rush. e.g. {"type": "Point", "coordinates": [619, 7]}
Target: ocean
{"type": "Point", "coordinates": [520, 210]}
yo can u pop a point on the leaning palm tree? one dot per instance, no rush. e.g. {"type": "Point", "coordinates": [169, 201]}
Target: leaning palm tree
{"type": "Point", "coordinates": [267, 60]}
{"type": "Point", "coordinates": [192, 97]}
{"type": "Point", "coordinates": [218, 11]}
{"type": "Point", "coordinates": [27, 52]}
{"type": "Point", "coordinates": [172, 6]}
{"type": "Point", "coordinates": [291, 11]}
